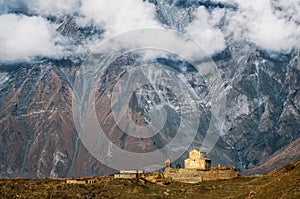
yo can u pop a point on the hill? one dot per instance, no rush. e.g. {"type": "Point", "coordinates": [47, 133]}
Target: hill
{"type": "Point", "coordinates": [280, 183]}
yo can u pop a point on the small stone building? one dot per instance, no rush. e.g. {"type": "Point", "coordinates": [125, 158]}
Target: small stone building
{"type": "Point", "coordinates": [197, 160]}
{"type": "Point", "coordinates": [81, 181]}
{"type": "Point", "coordinates": [128, 174]}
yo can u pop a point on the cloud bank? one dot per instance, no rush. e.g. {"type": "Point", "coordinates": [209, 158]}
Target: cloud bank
{"type": "Point", "coordinates": [118, 17]}
{"type": "Point", "coordinates": [27, 36]}
{"type": "Point", "coordinates": [24, 37]}
{"type": "Point", "coordinates": [272, 25]}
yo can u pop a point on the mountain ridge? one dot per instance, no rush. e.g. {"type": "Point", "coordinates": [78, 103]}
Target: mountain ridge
{"type": "Point", "coordinates": [38, 135]}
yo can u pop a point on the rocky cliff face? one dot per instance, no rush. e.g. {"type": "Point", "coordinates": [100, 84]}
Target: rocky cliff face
{"type": "Point", "coordinates": [263, 108]}
{"type": "Point", "coordinates": [38, 137]}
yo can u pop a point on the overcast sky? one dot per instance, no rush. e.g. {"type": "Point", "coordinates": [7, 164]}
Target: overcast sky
{"type": "Point", "coordinates": [272, 25]}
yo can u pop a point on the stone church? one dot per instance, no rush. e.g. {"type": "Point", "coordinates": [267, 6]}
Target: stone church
{"type": "Point", "coordinates": [197, 160]}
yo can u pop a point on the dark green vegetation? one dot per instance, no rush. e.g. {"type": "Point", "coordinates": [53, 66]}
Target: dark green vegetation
{"type": "Point", "coordinates": [281, 183]}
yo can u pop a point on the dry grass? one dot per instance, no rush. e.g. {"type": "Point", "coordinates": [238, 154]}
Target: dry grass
{"type": "Point", "coordinates": [281, 183]}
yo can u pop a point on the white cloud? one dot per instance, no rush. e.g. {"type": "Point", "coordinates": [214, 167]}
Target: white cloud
{"type": "Point", "coordinates": [256, 21]}
{"type": "Point", "coordinates": [270, 24]}
{"type": "Point", "coordinates": [117, 17]}
{"type": "Point", "coordinates": [289, 10]}
{"type": "Point", "coordinates": [134, 14]}
{"type": "Point", "coordinates": [24, 37]}
{"type": "Point", "coordinates": [202, 31]}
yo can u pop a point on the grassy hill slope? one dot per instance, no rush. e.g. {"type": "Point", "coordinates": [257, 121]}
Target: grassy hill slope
{"type": "Point", "coordinates": [280, 183]}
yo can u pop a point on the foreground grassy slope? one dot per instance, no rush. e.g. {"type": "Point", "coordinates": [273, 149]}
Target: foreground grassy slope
{"type": "Point", "coordinates": [281, 183]}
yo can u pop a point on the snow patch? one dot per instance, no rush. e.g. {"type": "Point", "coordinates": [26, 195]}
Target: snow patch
{"type": "Point", "coordinates": [3, 78]}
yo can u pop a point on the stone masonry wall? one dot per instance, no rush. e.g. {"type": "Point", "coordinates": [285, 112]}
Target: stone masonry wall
{"type": "Point", "coordinates": [195, 176]}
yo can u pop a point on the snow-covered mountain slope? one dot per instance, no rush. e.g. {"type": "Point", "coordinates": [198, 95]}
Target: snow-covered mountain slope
{"type": "Point", "coordinates": [38, 137]}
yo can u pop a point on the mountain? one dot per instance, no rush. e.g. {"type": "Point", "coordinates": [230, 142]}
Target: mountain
{"type": "Point", "coordinates": [38, 137]}
{"type": "Point", "coordinates": [290, 153]}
